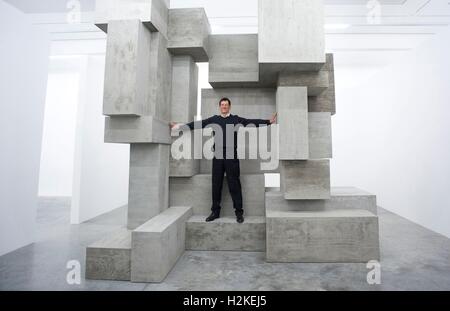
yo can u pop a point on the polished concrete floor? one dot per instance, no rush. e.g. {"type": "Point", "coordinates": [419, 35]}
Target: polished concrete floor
{"type": "Point", "coordinates": [413, 258]}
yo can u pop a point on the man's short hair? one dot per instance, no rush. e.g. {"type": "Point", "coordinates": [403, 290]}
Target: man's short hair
{"type": "Point", "coordinates": [225, 99]}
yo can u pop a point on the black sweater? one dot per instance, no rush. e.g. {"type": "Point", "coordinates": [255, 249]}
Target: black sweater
{"type": "Point", "coordinates": [223, 121]}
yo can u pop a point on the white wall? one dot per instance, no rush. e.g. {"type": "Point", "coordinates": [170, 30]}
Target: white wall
{"type": "Point", "coordinates": [23, 77]}
{"type": "Point", "coordinates": [100, 179]}
{"type": "Point", "coordinates": [391, 133]}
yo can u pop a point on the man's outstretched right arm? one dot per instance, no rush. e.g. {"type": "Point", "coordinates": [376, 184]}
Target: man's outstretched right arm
{"type": "Point", "coordinates": [194, 124]}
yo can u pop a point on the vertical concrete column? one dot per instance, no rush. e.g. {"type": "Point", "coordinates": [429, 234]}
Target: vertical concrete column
{"type": "Point", "coordinates": [149, 182]}
{"type": "Point", "coordinates": [292, 107]}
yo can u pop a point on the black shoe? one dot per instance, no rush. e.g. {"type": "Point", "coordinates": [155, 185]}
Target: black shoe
{"type": "Point", "coordinates": [240, 219]}
{"type": "Point", "coordinates": [212, 216]}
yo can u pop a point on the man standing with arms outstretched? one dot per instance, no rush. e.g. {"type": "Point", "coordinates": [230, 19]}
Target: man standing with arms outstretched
{"type": "Point", "coordinates": [224, 162]}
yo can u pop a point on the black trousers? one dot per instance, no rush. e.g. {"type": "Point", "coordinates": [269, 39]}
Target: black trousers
{"type": "Point", "coordinates": [232, 170]}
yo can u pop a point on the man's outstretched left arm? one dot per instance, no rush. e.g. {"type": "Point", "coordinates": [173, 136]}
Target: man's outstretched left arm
{"type": "Point", "coordinates": [257, 122]}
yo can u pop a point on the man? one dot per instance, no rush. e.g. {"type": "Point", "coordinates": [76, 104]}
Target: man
{"type": "Point", "coordinates": [226, 162]}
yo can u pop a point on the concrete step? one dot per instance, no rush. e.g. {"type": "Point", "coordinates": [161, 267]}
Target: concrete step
{"type": "Point", "coordinates": [226, 234]}
{"type": "Point", "coordinates": [341, 198]}
{"type": "Point", "coordinates": [110, 257]}
{"type": "Point", "coordinates": [196, 191]}
{"type": "Point", "coordinates": [322, 236]}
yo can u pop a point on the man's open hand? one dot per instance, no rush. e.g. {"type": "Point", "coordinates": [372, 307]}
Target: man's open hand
{"type": "Point", "coordinates": [172, 125]}
{"type": "Point", "coordinates": [273, 119]}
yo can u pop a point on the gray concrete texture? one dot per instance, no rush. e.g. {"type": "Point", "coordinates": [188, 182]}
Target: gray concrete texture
{"type": "Point", "coordinates": [153, 13]}
{"type": "Point", "coordinates": [148, 182]}
{"type": "Point", "coordinates": [322, 236]}
{"type": "Point", "coordinates": [305, 180]}
{"type": "Point", "coordinates": [189, 32]}
{"type": "Point", "coordinates": [158, 244]}
{"type": "Point", "coordinates": [325, 102]}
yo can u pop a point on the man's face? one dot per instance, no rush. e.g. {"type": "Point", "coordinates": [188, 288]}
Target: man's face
{"type": "Point", "coordinates": [224, 107]}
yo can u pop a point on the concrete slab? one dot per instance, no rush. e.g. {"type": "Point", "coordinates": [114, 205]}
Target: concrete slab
{"type": "Point", "coordinates": [188, 33]}
{"type": "Point", "coordinates": [323, 236]}
{"type": "Point", "coordinates": [196, 191]}
{"type": "Point", "coordinates": [305, 180]}
{"type": "Point", "coordinates": [340, 198]}
{"type": "Point", "coordinates": [158, 244]}
{"type": "Point", "coordinates": [325, 102]}
{"type": "Point", "coordinates": [109, 257]}
{"type": "Point", "coordinates": [226, 234]}
{"type": "Point", "coordinates": [145, 129]}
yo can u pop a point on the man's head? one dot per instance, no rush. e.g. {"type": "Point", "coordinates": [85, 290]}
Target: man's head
{"type": "Point", "coordinates": [225, 105]}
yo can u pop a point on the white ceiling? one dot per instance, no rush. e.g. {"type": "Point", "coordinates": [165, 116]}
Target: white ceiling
{"type": "Point", "coordinates": [403, 25]}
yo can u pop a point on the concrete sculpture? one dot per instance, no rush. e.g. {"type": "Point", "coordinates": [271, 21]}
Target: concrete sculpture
{"type": "Point", "coordinates": [151, 78]}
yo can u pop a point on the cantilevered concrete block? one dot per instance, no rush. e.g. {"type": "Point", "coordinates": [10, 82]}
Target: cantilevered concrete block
{"type": "Point", "coordinates": [341, 198]}
{"type": "Point", "coordinates": [158, 243]}
{"type": "Point", "coordinates": [226, 234]}
{"type": "Point", "coordinates": [196, 192]}
{"type": "Point", "coordinates": [188, 33]}
{"type": "Point", "coordinates": [153, 13]}
{"type": "Point", "coordinates": [149, 182]}
{"type": "Point", "coordinates": [326, 101]}
{"type": "Point", "coordinates": [127, 69]}
{"type": "Point", "coordinates": [146, 129]}
{"type": "Point", "coordinates": [182, 156]}
{"type": "Point", "coordinates": [184, 89]}
{"type": "Point", "coordinates": [233, 60]}
{"type": "Point", "coordinates": [109, 258]}
{"type": "Point", "coordinates": [319, 131]}
{"type": "Point", "coordinates": [305, 180]}
{"type": "Point", "coordinates": [292, 107]}
{"type": "Point", "coordinates": [316, 81]}
{"type": "Point", "coordinates": [291, 36]}
{"type": "Point", "coordinates": [324, 236]}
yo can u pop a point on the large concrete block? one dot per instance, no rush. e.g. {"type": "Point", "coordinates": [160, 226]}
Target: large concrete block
{"type": "Point", "coordinates": [291, 35]}
{"type": "Point", "coordinates": [109, 258]}
{"type": "Point", "coordinates": [196, 191]}
{"type": "Point", "coordinates": [182, 156]}
{"type": "Point", "coordinates": [157, 244]}
{"type": "Point", "coordinates": [146, 129]}
{"type": "Point", "coordinates": [233, 60]}
{"type": "Point", "coordinates": [188, 33]}
{"type": "Point", "coordinates": [184, 89]}
{"type": "Point", "coordinates": [316, 81]}
{"type": "Point", "coordinates": [319, 135]}
{"type": "Point", "coordinates": [149, 182]}
{"type": "Point", "coordinates": [326, 101]}
{"type": "Point", "coordinates": [226, 234]}
{"type": "Point", "coordinates": [305, 180]}
{"type": "Point", "coordinates": [323, 236]}
{"type": "Point", "coordinates": [292, 107]}
{"type": "Point", "coordinates": [340, 198]}
{"type": "Point", "coordinates": [153, 13]}
{"type": "Point", "coordinates": [127, 68]}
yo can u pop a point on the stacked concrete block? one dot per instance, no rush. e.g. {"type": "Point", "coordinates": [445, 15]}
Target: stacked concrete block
{"type": "Point", "coordinates": [233, 60]}
{"type": "Point", "coordinates": [316, 82]}
{"type": "Point", "coordinates": [290, 37]}
{"type": "Point", "coordinates": [110, 257]}
{"type": "Point", "coordinates": [149, 182]}
{"type": "Point", "coordinates": [305, 180]}
{"type": "Point", "coordinates": [326, 101]}
{"type": "Point", "coordinates": [319, 135]}
{"type": "Point", "coordinates": [340, 198]}
{"type": "Point", "coordinates": [153, 13]}
{"type": "Point", "coordinates": [321, 236]}
{"type": "Point", "coordinates": [184, 109]}
{"type": "Point", "coordinates": [188, 33]}
{"type": "Point", "coordinates": [158, 244]}
{"type": "Point", "coordinates": [225, 234]}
